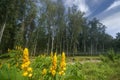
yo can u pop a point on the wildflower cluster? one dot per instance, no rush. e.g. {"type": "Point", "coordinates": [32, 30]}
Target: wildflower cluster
{"type": "Point", "coordinates": [54, 65]}
{"type": "Point", "coordinates": [62, 65]}
{"type": "Point", "coordinates": [27, 71]}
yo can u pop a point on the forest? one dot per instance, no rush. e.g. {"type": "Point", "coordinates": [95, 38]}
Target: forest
{"type": "Point", "coordinates": [46, 26]}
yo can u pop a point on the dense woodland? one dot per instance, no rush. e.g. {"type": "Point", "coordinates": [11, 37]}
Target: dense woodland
{"type": "Point", "coordinates": [47, 25]}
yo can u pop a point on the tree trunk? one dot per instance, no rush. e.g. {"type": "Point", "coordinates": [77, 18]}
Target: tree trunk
{"type": "Point", "coordinates": [84, 43]}
{"type": "Point", "coordinates": [2, 30]}
{"type": "Point", "coordinates": [52, 44]}
{"type": "Point", "coordinates": [96, 48]}
{"type": "Point", "coordinates": [35, 48]}
{"type": "Point", "coordinates": [103, 48]}
{"type": "Point", "coordinates": [48, 45]}
{"type": "Point", "coordinates": [91, 49]}
{"type": "Point", "coordinates": [60, 43]}
{"type": "Point", "coordinates": [67, 48]}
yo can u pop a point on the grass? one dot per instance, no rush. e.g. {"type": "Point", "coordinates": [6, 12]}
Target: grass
{"type": "Point", "coordinates": [92, 67]}
{"type": "Point", "coordinates": [83, 58]}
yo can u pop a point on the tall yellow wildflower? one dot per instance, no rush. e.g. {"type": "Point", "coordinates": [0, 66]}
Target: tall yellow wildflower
{"type": "Point", "coordinates": [27, 71]}
{"type": "Point", "coordinates": [54, 65]}
{"type": "Point", "coordinates": [44, 71]}
{"type": "Point", "coordinates": [62, 65]}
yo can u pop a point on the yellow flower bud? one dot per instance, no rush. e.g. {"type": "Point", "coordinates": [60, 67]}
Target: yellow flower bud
{"type": "Point", "coordinates": [25, 73]}
{"type": "Point", "coordinates": [30, 75]}
{"type": "Point", "coordinates": [25, 52]}
{"type": "Point", "coordinates": [53, 72]}
{"type": "Point", "coordinates": [29, 69]}
{"type": "Point", "coordinates": [64, 68]}
{"type": "Point", "coordinates": [44, 71]}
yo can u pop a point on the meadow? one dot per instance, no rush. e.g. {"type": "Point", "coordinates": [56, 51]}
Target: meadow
{"type": "Point", "coordinates": [20, 66]}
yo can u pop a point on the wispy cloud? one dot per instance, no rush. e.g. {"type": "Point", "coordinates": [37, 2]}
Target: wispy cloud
{"type": "Point", "coordinates": [100, 7]}
{"type": "Point", "coordinates": [115, 4]}
{"type": "Point", "coordinates": [113, 24]}
{"type": "Point", "coordinates": [107, 11]}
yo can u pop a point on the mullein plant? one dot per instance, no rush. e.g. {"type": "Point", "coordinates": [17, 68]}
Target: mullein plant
{"type": "Point", "coordinates": [27, 70]}
{"type": "Point", "coordinates": [62, 65]}
{"type": "Point", "coordinates": [54, 65]}
{"type": "Point", "coordinates": [56, 68]}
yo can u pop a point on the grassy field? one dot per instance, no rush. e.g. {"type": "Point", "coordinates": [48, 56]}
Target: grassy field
{"type": "Point", "coordinates": [76, 68]}
{"type": "Point", "coordinates": [95, 68]}
{"type": "Point", "coordinates": [84, 59]}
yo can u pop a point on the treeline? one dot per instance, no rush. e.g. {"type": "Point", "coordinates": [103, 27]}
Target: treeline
{"type": "Point", "coordinates": [47, 25]}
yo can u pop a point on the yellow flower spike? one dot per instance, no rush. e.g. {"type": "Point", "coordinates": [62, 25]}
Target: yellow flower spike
{"type": "Point", "coordinates": [63, 56]}
{"type": "Point", "coordinates": [54, 65]}
{"type": "Point", "coordinates": [53, 72]}
{"type": "Point", "coordinates": [44, 71]}
{"type": "Point", "coordinates": [25, 52]}
{"type": "Point", "coordinates": [26, 63]}
{"type": "Point", "coordinates": [62, 65]}
{"type": "Point", "coordinates": [55, 61]}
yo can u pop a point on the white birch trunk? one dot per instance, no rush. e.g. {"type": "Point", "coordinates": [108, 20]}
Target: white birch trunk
{"type": "Point", "coordinates": [1, 32]}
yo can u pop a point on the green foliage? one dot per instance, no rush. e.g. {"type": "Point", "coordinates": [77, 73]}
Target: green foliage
{"type": "Point", "coordinates": [45, 23]}
{"type": "Point", "coordinates": [39, 64]}
{"type": "Point", "coordinates": [99, 71]}
{"type": "Point", "coordinates": [10, 72]}
{"type": "Point", "coordinates": [15, 56]}
{"type": "Point", "coordinates": [110, 56]}
{"type": "Point", "coordinates": [44, 62]}
{"type": "Point", "coordinates": [74, 72]}
{"type": "Point", "coordinates": [113, 61]}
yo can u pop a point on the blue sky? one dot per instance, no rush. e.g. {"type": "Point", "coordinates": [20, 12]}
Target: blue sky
{"type": "Point", "coordinates": [107, 11]}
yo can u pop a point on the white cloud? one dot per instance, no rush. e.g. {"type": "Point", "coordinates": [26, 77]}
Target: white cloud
{"type": "Point", "coordinates": [68, 3]}
{"type": "Point", "coordinates": [113, 23]}
{"type": "Point", "coordinates": [109, 17]}
{"type": "Point", "coordinates": [82, 6]}
{"type": "Point", "coordinates": [115, 4]}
